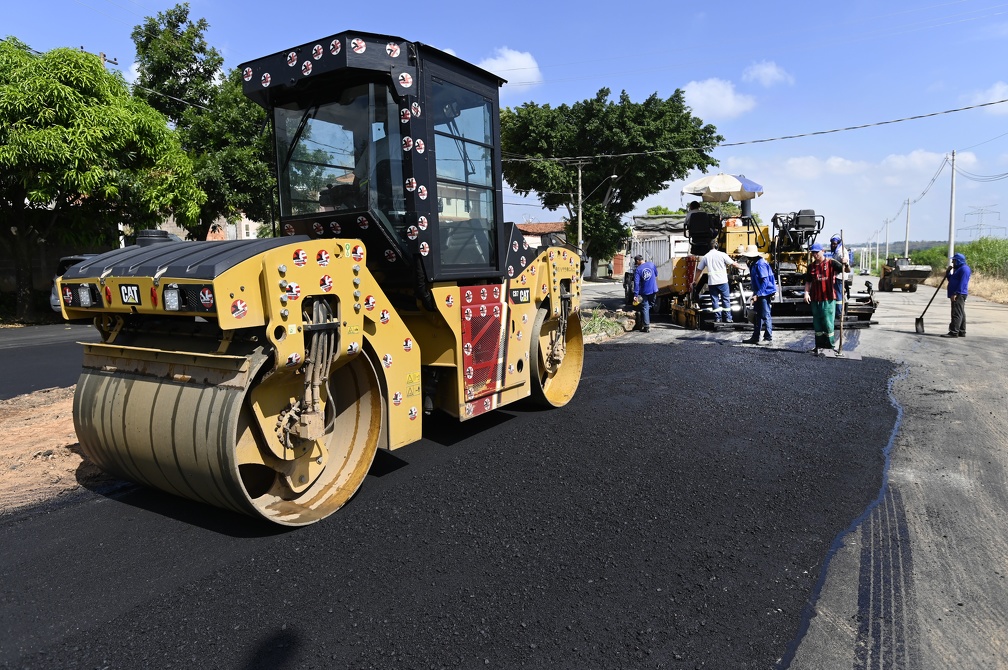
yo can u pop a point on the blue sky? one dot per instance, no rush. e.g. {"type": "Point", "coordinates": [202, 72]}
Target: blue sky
{"type": "Point", "coordinates": [756, 71]}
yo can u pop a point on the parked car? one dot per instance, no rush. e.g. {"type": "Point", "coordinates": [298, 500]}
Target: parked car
{"type": "Point", "coordinates": [64, 264]}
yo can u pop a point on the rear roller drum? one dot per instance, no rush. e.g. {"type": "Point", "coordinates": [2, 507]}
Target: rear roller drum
{"type": "Point", "coordinates": [556, 355]}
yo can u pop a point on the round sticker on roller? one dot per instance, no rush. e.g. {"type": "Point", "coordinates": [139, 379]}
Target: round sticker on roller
{"type": "Point", "coordinates": [524, 318]}
{"type": "Point", "coordinates": [496, 292]}
{"type": "Point", "coordinates": [397, 398]}
{"type": "Point", "coordinates": [412, 232]}
{"type": "Point", "coordinates": [306, 68]}
{"type": "Point", "coordinates": [545, 289]}
{"type": "Point", "coordinates": [522, 261]}
{"type": "Point", "coordinates": [405, 79]}
{"type": "Point", "coordinates": [266, 79]}
{"type": "Point", "coordinates": [407, 344]}
{"type": "Point", "coordinates": [362, 222]}
{"type": "Point", "coordinates": [510, 271]}
{"type": "Point", "coordinates": [424, 248]}
{"type": "Point", "coordinates": [239, 309]}
{"type": "Point", "coordinates": [293, 291]}
{"type": "Point", "coordinates": [468, 296]}
{"type": "Point", "coordinates": [496, 311]}
{"type": "Point", "coordinates": [318, 228]}
{"type": "Point", "coordinates": [525, 244]}
{"type": "Point", "coordinates": [317, 51]}
{"type": "Point", "coordinates": [486, 403]}
{"type": "Point", "coordinates": [322, 257]}
{"type": "Point", "coordinates": [288, 229]}
{"type": "Point", "coordinates": [358, 45]}
{"type": "Point", "coordinates": [292, 59]}
{"type": "Point", "coordinates": [419, 146]}
{"type": "Point", "coordinates": [353, 348]}
{"type": "Point", "coordinates": [392, 49]}
{"type": "Point", "coordinates": [387, 360]}
{"type": "Point", "coordinates": [413, 413]}
{"type": "Point", "coordinates": [300, 257]}
{"type": "Point", "coordinates": [552, 254]}
{"type": "Point", "coordinates": [469, 373]}
{"type": "Point", "coordinates": [422, 223]}
{"type": "Point", "coordinates": [482, 310]}
{"type": "Point", "coordinates": [422, 192]}
{"type": "Point", "coordinates": [335, 47]}
{"type": "Point", "coordinates": [384, 316]}
{"type": "Point", "coordinates": [404, 115]}
{"type": "Point", "coordinates": [564, 254]}
{"type": "Point", "coordinates": [514, 245]}
{"type": "Point", "coordinates": [467, 315]}
{"type": "Point", "coordinates": [407, 143]}
{"type": "Point", "coordinates": [325, 283]}
{"type": "Point", "coordinates": [411, 184]}
{"type": "Point", "coordinates": [247, 74]}
{"type": "Point", "coordinates": [523, 279]}
{"type": "Point", "coordinates": [467, 348]}
{"type": "Point", "coordinates": [206, 297]}
{"type": "Point", "coordinates": [335, 228]}
{"type": "Point", "coordinates": [357, 253]}
{"type": "Point", "coordinates": [293, 359]}
{"type": "Point", "coordinates": [483, 294]}
{"type": "Point", "coordinates": [415, 107]}
{"type": "Point", "coordinates": [532, 270]}
{"type": "Point", "coordinates": [390, 256]}
{"type": "Point", "coordinates": [449, 300]}
{"type": "Point", "coordinates": [369, 303]}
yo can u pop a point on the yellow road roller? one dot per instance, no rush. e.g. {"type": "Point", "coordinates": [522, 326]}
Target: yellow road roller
{"type": "Point", "coordinates": [261, 376]}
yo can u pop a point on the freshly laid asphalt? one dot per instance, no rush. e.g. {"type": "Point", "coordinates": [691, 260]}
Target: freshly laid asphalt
{"type": "Point", "coordinates": [677, 513]}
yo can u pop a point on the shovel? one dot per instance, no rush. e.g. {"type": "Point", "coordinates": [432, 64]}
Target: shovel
{"type": "Point", "coordinates": [919, 323]}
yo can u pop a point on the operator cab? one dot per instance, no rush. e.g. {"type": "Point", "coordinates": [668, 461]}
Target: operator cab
{"type": "Point", "coordinates": [391, 142]}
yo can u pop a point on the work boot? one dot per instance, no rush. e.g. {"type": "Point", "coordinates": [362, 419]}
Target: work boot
{"type": "Point", "coordinates": [962, 333]}
{"type": "Point", "coordinates": [950, 335]}
{"type": "Point", "coordinates": [646, 329]}
{"type": "Point", "coordinates": [750, 340]}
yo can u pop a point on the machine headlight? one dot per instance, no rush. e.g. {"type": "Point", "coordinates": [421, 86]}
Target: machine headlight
{"type": "Point", "coordinates": [84, 293]}
{"type": "Point", "coordinates": [172, 301]}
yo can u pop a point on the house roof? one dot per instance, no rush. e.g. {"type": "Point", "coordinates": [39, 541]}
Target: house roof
{"type": "Point", "coordinates": [540, 228]}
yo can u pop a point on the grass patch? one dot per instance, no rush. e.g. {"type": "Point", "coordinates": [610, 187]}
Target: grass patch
{"type": "Point", "coordinates": [597, 321]}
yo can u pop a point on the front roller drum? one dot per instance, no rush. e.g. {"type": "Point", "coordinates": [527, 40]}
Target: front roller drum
{"type": "Point", "coordinates": [556, 355]}
{"type": "Point", "coordinates": [201, 441]}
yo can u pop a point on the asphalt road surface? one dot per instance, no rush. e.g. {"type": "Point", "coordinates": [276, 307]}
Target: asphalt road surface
{"type": "Point", "coordinates": [40, 357]}
{"type": "Point", "coordinates": [700, 503]}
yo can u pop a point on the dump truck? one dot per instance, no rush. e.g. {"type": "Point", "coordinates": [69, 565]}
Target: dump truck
{"type": "Point", "coordinates": [901, 273]}
{"type": "Point", "coordinates": [262, 376]}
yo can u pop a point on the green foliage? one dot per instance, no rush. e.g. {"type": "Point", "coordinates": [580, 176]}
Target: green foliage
{"type": "Point", "coordinates": [987, 256]}
{"type": "Point", "coordinates": [220, 128]}
{"type": "Point", "coordinates": [175, 63]}
{"type": "Point", "coordinates": [662, 210]}
{"type": "Point", "coordinates": [80, 155]}
{"type": "Point", "coordinates": [667, 140]}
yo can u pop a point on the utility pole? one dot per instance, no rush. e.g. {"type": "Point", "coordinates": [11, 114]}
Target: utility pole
{"type": "Point", "coordinates": [103, 57]}
{"type": "Point", "coordinates": [887, 237]}
{"type": "Point", "coordinates": [906, 239]}
{"type": "Point", "coordinates": [580, 204]}
{"type": "Point", "coordinates": [951, 244]}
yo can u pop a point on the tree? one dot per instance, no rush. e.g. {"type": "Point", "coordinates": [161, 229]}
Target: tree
{"type": "Point", "coordinates": [662, 210]}
{"type": "Point", "coordinates": [80, 155]}
{"type": "Point", "coordinates": [643, 144]}
{"type": "Point", "coordinates": [220, 128]}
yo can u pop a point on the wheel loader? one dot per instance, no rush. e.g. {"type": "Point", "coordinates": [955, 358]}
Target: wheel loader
{"type": "Point", "coordinates": [261, 376]}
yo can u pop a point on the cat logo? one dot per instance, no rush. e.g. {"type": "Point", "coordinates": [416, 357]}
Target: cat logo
{"type": "Point", "coordinates": [130, 294]}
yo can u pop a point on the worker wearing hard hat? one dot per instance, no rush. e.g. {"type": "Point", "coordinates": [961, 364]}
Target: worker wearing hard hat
{"type": "Point", "coordinates": [838, 252]}
{"type": "Point", "coordinates": [764, 287]}
{"type": "Point", "coordinates": [820, 293]}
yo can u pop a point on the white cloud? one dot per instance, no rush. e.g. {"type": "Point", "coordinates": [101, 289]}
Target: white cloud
{"type": "Point", "coordinates": [133, 73]}
{"type": "Point", "coordinates": [812, 167]}
{"type": "Point", "coordinates": [716, 99]}
{"type": "Point", "coordinates": [518, 67]}
{"type": "Point", "coordinates": [767, 73]}
{"type": "Point", "coordinates": [998, 91]}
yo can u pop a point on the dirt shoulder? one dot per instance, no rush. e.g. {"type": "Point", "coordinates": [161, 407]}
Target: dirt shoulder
{"type": "Point", "coordinates": [40, 458]}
